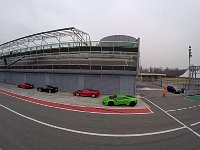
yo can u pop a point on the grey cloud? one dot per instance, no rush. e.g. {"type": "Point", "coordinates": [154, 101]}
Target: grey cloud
{"type": "Point", "coordinates": [166, 27]}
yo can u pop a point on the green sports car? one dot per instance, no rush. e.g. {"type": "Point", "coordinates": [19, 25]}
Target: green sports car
{"type": "Point", "coordinates": [120, 99]}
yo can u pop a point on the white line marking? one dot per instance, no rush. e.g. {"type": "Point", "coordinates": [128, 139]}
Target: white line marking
{"type": "Point", "coordinates": [91, 133]}
{"type": "Point", "coordinates": [170, 110]}
{"type": "Point", "coordinates": [194, 124]}
{"type": "Point", "coordinates": [173, 118]}
{"type": "Point", "coordinates": [182, 108]}
{"type": "Point", "coordinates": [192, 107]}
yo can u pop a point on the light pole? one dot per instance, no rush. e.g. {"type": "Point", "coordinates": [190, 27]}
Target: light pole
{"type": "Point", "coordinates": [190, 55]}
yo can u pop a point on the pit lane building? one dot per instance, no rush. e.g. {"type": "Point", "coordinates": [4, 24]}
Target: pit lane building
{"type": "Point", "coordinates": [68, 59]}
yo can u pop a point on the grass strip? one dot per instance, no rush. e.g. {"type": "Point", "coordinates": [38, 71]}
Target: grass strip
{"type": "Point", "coordinates": [194, 98]}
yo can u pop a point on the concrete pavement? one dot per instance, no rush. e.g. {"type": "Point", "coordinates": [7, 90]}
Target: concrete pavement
{"type": "Point", "coordinates": [26, 125]}
{"type": "Point", "coordinates": [67, 98]}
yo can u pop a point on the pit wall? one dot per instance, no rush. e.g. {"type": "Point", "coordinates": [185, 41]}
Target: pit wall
{"type": "Point", "coordinates": [107, 84]}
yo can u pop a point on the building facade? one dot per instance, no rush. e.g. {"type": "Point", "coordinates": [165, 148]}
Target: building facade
{"type": "Point", "coordinates": [68, 59]}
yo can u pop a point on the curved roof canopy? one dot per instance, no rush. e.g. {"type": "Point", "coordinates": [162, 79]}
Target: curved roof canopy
{"type": "Point", "coordinates": [119, 38]}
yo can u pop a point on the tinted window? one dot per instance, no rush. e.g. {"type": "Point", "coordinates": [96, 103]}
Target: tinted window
{"type": "Point", "coordinates": [85, 90]}
{"type": "Point", "coordinates": [121, 98]}
{"type": "Point", "coordinates": [129, 96]}
{"type": "Point", "coordinates": [112, 97]}
{"type": "Point", "coordinates": [48, 86]}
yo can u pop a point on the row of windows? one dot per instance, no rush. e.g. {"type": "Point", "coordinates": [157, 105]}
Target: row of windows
{"type": "Point", "coordinates": [56, 50]}
{"type": "Point", "coordinates": [77, 62]}
{"type": "Point", "coordinates": [131, 68]}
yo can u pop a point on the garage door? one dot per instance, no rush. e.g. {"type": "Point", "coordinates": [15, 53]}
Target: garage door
{"type": "Point", "coordinates": [106, 84]}
{"type": "Point", "coordinates": [38, 79]}
{"type": "Point", "coordinates": [64, 82]}
{"type": "Point", "coordinates": [14, 78]}
{"type": "Point", "coordinates": [2, 76]}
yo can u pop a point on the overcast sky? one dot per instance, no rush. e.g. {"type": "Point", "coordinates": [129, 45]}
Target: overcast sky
{"type": "Point", "coordinates": [166, 27]}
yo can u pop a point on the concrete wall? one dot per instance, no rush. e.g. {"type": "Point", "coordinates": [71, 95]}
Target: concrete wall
{"type": "Point", "coordinates": [2, 77]}
{"type": "Point", "coordinates": [107, 84]}
{"type": "Point", "coordinates": [15, 78]}
{"type": "Point", "coordinates": [64, 82]}
{"type": "Point", "coordinates": [38, 79]}
{"type": "Point", "coordinates": [127, 84]}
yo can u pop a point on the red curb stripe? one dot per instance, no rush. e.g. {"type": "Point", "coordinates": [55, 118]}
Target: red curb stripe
{"type": "Point", "coordinates": [79, 108]}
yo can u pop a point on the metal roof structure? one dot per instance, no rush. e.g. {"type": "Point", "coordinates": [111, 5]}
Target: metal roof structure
{"type": "Point", "coordinates": [46, 38]}
{"type": "Point", "coordinates": [194, 72]}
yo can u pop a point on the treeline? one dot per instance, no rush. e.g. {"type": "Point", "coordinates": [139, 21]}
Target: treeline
{"type": "Point", "coordinates": [170, 72]}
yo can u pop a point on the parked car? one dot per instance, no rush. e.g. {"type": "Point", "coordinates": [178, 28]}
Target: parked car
{"type": "Point", "coordinates": [26, 86]}
{"type": "Point", "coordinates": [120, 99]}
{"type": "Point", "coordinates": [48, 88]}
{"type": "Point", "coordinates": [87, 92]}
{"type": "Point", "coordinates": [174, 89]}
{"type": "Point", "coordinates": [182, 90]}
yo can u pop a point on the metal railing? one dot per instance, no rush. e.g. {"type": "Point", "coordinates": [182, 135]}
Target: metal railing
{"type": "Point", "coordinates": [101, 44]}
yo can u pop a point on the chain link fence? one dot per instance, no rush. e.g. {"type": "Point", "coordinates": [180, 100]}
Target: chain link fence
{"type": "Point", "coordinates": [190, 87]}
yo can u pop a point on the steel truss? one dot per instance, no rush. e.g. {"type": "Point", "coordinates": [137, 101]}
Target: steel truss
{"type": "Point", "coordinates": [194, 71]}
{"type": "Point", "coordinates": [58, 36]}
{"type": "Point", "coordinates": [193, 86]}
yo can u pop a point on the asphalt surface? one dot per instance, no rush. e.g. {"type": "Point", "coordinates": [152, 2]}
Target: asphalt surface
{"type": "Point", "coordinates": [65, 98]}
{"type": "Point", "coordinates": [28, 126]}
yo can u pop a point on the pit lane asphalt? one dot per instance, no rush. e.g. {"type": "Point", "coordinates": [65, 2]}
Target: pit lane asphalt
{"type": "Point", "coordinates": [66, 100]}
{"type": "Point", "coordinates": [17, 132]}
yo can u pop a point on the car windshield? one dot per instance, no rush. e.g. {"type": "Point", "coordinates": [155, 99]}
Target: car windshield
{"type": "Point", "coordinates": [49, 86]}
{"type": "Point", "coordinates": [129, 96]}
{"type": "Point", "coordinates": [112, 97]}
{"type": "Point", "coordinates": [176, 88]}
{"type": "Point", "coordinates": [85, 90]}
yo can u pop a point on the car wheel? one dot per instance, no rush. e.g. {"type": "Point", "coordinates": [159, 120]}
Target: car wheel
{"type": "Point", "coordinates": [110, 104]}
{"type": "Point", "coordinates": [77, 94]}
{"type": "Point", "coordinates": [174, 92]}
{"type": "Point", "coordinates": [93, 95]}
{"type": "Point", "coordinates": [132, 103]}
{"type": "Point", "coordinates": [74, 94]}
{"type": "Point", "coordinates": [39, 89]}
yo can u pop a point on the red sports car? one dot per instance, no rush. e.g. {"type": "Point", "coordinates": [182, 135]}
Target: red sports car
{"type": "Point", "coordinates": [26, 86]}
{"type": "Point", "coordinates": [87, 92]}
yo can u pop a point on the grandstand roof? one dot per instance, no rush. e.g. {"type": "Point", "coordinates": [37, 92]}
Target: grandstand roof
{"type": "Point", "coordinates": [72, 33]}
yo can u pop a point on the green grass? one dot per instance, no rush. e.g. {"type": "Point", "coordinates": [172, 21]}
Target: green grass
{"type": "Point", "coordinates": [194, 98]}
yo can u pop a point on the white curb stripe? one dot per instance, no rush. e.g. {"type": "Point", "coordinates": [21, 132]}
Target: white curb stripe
{"type": "Point", "coordinates": [91, 133]}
